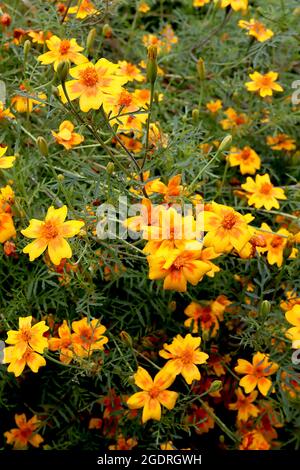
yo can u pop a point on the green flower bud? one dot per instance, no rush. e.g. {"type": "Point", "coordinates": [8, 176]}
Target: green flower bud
{"type": "Point", "coordinates": [226, 142]}
{"type": "Point", "coordinates": [152, 64]}
{"type": "Point", "coordinates": [215, 386]}
{"type": "Point", "coordinates": [63, 70]}
{"type": "Point", "coordinates": [201, 69]}
{"type": "Point", "coordinates": [42, 146]}
{"type": "Point", "coordinates": [110, 168]}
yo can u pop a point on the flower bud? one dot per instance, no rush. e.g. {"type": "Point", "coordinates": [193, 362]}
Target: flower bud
{"type": "Point", "coordinates": [215, 386]}
{"type": "Point", "coordinates": [201, 69]}
{"type": "Point", "coordinates": [126, 338]}
{"type": "Point", "coordinates": [172, 306]}
{"type": "Point", "coordinates": [195, 115]}
{"type": "Point", "coordinates": [131, 380]}
{"type": "Point", "coordinates": [60, 177]}
{"type": "Point", "coordinates": [107, 31]}
{"type": "Point", "coordinates": [110, 168]}
{"type": "Point", "coordinates": [265, 308]}
{"type": "Point", "coordinates": [26, 48]}
{"type": "Point", "coordinates": [42, 146]}
{"type": "Point", "coordinates": [55, 91]}
{"type": "Point", "coordinates": [63, 70]}
{"type": "Point", "coordinates": [90, 41]}
{"type": "Point", "coordinates": [226, 142]}
{"type": "Point", "coordinates": [152, 64]}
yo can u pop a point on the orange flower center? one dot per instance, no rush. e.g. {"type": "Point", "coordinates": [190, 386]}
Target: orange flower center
{"type": "Point", "coordinates": [26, 334]}
{"type": "Point", "coordinates": [154, 392]}
{"type": "Point", "coordinates": [49, 230]}
{"type": "Point", "coordinates": [229, 221]}
{"type": "Point", "coordinates": [179, 262]}
{"type": "Point", "coordinates": [245, 155]}
{"type": "Point", "coordinates": [89, 77]}
{"type": "Point", "coordinates": [187, 356]}
{"type": "Point", "coordinates": [266, 188]}
{"type": "Point", "coordinates": [206, 315]}
{"type": "Point", "coordinates": [277, 242]}
{"type": "Point", "coordinates": [125, 99]}
{"type": "Point", "coordinates": [64, 46]}
{"type": "Point", "coordinates": [85, 335]}
{"type": "Point", "coordinates": [26, 432]}
{"type": "Point", "coordinates": [266, 81]}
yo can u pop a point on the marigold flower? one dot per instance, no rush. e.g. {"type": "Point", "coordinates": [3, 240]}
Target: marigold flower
{"type": "Point", "coordinates": [25, 433]}
{"type": "Point", "coordinates": [293, 317]}
{"type": "Point", "coordinates": [256, 29]}
{"type": "Point", "coordinates": [130, 71]}
{"type": "Point", "coordinates": [281, 142]}
{"type": "Point", "coordinates": [88, 337]}
{"type": "Point", "coordinates": [233, 120]}
{"type": "Point", "coordinates": [62, 50]}
{"type": "Point", "coordinates": [200, 3]}
{"type": "Point", "coordinates": [236, 5]}
{"type": "Point", "coordinates": [262, 193]}
{"type": "Point", "coordinates": [123, 443]}
{"type": "Point", "coordinates": [201, 418]}
{"type": "Point", "coordinates": [152, 40]}
{"type": "Point", "coordinates": [254, 440]}
{"type": "Point", "coordinates": [28, 335]}
{"type": "Point", "coordinates": [17, 363]}
{"type": "Point", "coordinates": [39, 37]}
{"type": "Point", "coordinates": [256, 373]}
{"type": "Point", "coordinates": [274, 244]}
{"type": "Point", "coordinates": [214, 106]}
{"type": "Point", "coordinates": [244, 405]}
{"type": "Point", "coordinates": [247, 159]}
{"type": "Point", "coordinates": [169, 191]}
{"type": "Point", "coordinates": [154, 394]}
{"type": "Point", "coordinates": [23, 104]}
{"type": "Point", "coordinates": [63, 344]}
{"type": "Point", "coordinates": [83, 9]}
{"type": "Point", "coordinates": [5, 113]}
{"type": "Point", "coordinates": [226, 228]}
{"type": "Point", "coordinates": [183, 354]}
{"type": "Point", "coordinates": [92, 83]}
{"type": "Point", "coordinates": [202, 316]}
{"type": "Point", "coordinates": [6, 162]}
{"type": "Point", "coordinates": [122, 106]}
{"type": "Point", "coordinates": [264, 84]}
{"type": "Point", "coordinates": [169, 37]}
{"type": "Point", "coordinates": [7, 228]}
{"type": "Point", "coordinates": [66, 136]}
{"type": "Point", "coordinates": [143, 7]}
{"type": "Point", "coordinates": [51, 233]}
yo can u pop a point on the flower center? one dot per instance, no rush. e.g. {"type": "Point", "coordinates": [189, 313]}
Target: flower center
{"type": "Point", "coordinates": [26, 432]}
{"type": "Point", "coordinates": [64, 46]}
{"type": "Point", "coordinates": [26, 334]}
{"type": "Point", "coordinates": [245, 155]}
{"type": "Point", "coordinates": [154, 392]}
{"type": "Point", "coordinates": [229, 221]}
{"type": "Point", "coordinates": [179, 262]}
{"type": "Point", "coordinates": [187, 356]}
{"type": "Point", "coordinates": [266, 81]}
{"type": "Point", "coordinates": [277, 242]}
{"type": "Point", "coordinates": [89, 77]}
{"type": "Point", "coordinates": [50, 230]}
{"type": "Point", "coordinates": [206, 315]}
{"type": "Point", "coordinates": [125, 99]}
{"type": "Point", "coordinates": [266, 188]}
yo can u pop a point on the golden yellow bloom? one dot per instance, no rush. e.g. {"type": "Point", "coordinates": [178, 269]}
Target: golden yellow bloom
{"type": "Point", "coordinates": [124, 102]}
{"type": "Point", "coordinates": [244, 405]}
{"type": "Point", "coordinates": [88, 337]}
{"type": "Point", "coordinates": [226, 228]}
{"type": "Point", "coordinates": [28, 335]}
{"type": "Point", "coordinates": [25, 433]}
{"type": "Point", "coordinates": [7, 228]}
{"type": "Point", "coordinates": [233, 119]}
{"type": "Point", "coordinates": [256, 29]}
{"type": "Point", "coordinates": [183, 354]}
{"type": "Point", "coordinates": [214, 106]}
{"type": "Point", "coordinates": [39, 37]}
{"type": "Point", "coordinates": [51, 233]}
{"type": "Point", "coordinates": [7, 197]}
{"type": "Point", "coordinates": [5, 113]}
{"type": "Point", "coordinates": [92, 83]}
{"type": "Point", "coordinates": [6, 162]}
{"type": "Point", "coordinates": [200, 3]}
{"type": "Point", "coordinates": [83, 9]}
{"type": "Point", "coordinates": [264, 84]}
{"type": "Point", "coordinates": [143, 7]}
{"type": "Point", "coordinates": [236, 5]}
{"type": "Point", "coordinates": [256, 373]}
{"type": "Point", "coordinates": [63, 344]}
{"type": "Point", "coordinates": [17, 363]}
{"type": "Point", "coordinates": [254, 440]}
{"type": "Point", "coordinates": [247, 159]}
{"type": "Point", "coordinates": [23, 104]}
{"type": "Point", "coordinates": [293, 317]}
{"type": "Point", "coordinates": [274, 244]}
{"type": "Point", "coordinates": [281, 142]}
{"type": "Point", "coordinates": [169, 37]}
{"type": "Point", "coordinates": [130, 71]}
{"type": "Point", "coordinates": [66, 136]}
{"type": "Point", "coordinates": [154, 394]}
{"type": "Point", "coordinates": [62, 50]}
{"type": "Point", "coordinates": [152, 40]}
{"type": "Point", "coordinates": [262, 193]}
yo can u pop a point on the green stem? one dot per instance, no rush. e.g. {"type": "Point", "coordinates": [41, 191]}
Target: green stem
{"type": "Point", "coordinates": [148, 125]}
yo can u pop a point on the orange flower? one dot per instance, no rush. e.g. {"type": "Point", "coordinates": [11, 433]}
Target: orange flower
{"type": "Point", "coordinates": [51, 233]}
{"type": "Point", "coordinates": [123, 444]}
{"type": "Point", "coordinates": [169, 37]}
{"type": "Point", "coordinates": [262, 193]}
{"type": "Point", "coordinates": [83, 9]}
{"type": "Point", "coordinates": [183, 354]}
{"type": "Point", "coordinates": [25, 433]}
{"type": "Point", "coordinates": [130, 71]}
{"type": "Point", "coordinates": [274, 244]}
{"type": "Point", "coordinates": [202, 316]}
{"type": "Point", "coordinates": [201, 418]}
{"type": "Point", "coordinates": [5, 161]}
{"type": "Point", "coordinates": [256, 29]}
{"type": "Point", "coordinates": [254, 440]}
{"type": "Point", "coordinates": [264, 84]}
{"type": "Point", "coordinates": [247, 159]}
{"type": "Point", "coordinates": [39, 37]}
{"type": "Point", "coordinates": [244, 405]}
{"type": "Point", "coordinates": [66, 136]}
{"type": "Point", "coordinates": [233, 120]}
{"type": "Point", "coordinates": [281, 142]}
{"type": "Point", "coordinates": [154, 394]}
{"type": "Point", "coordinates": [88, 337]}
{"type": "Point", "coordinates": [121, 104]}
{"type": "Point", "coordinates": [256, 373]}
{"type": "Point", "coordinates": [236, 5]}
{"type": "Point", "coordinates": [171, 190]}
{"type": "Point", "coordinates": [7, 228]}
{"type": "Point", "coordinates": [18, 362]}
{"type": "Point", "coordinates": [62, 50]}
{"type": "Point", "coordinates": [92, 83]}
{"type": "Point", "coordinates": [226, 228]}
{"type": "Point", "coordinates": [200, 3]}
{"type": "Point", "coordinates": [214, 106]}
{"type": "Point", "coordinates": [143, 7]}
{"type": "Point", "coordinates": [63, 343]}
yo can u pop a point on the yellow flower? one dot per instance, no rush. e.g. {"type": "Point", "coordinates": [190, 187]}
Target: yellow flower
{"type": "Point", "coordinates": [214, 106]}
{"type": "Point", "coordinates": [130, 71]}
{"type": "Point", "coordinates": [226, 228]}
{"type": "Point", "coordinates": [88, 336]}
{"type": "Point", "coordinates": [6, 162]}
{"type": "Point", "coordinates": [83, 9]}
{"type": "Point", "coordinates": [7, 228]}
{"type": "Point", "coordinates": [28, 335]}
{"type": "Point", "coordinates": [264, 84]}
{"type": "Point", "coordinates": [236, 5]}
{"type": "Point", "coordinates": [275, 244]}
{"type": "Point", "coordinates": [60, 50]}
{"type": "Point", "coordinates": [293, 317]}
{"type": "Point", "coordinates": [23, 104]}
{"type": "Point", "coordinates": [200, 3]}
{"type": "Point", "coordinates": [143, 7]}
{"type": "Point", "coordinates": [25, 433]}
{"type": "Point", "coordinates": [247, 159]}
{"type": "Point", "coordinates": [254, 440]}
{"type": "Point", "coordinates": [66, 136]}
{"type": "Point", "coordinates": [51, 234]}
{"type": "Point", "coordinates": [262, 193]}
{"type": "Point", "coordinates": [233, 120]}
{"type": "Point", "coordinates": [183, 354]}
{"type": "Point", "coordinates": [18, 362]}
{"type": "Point", "coordinates": [92, 84]}
{"type": "Point", "coordinates": [281, 142]}
{"type": "Point", "coordinates": [64, 343]}
{"type": "Point", "coordinates": [256, 29]}
{"type": "Point", "coordinates": [256, 373]}
{"type": "Point", "coordinates": [154, 394]}
{"type": "Point", "coordinates": [121, 103]}
{"type": "Point", "coordinates": [244, 405]}
{"type": "Point", "coordinates": [5, 113]}
{"type": "Point", "coordinates": [39, 37]}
